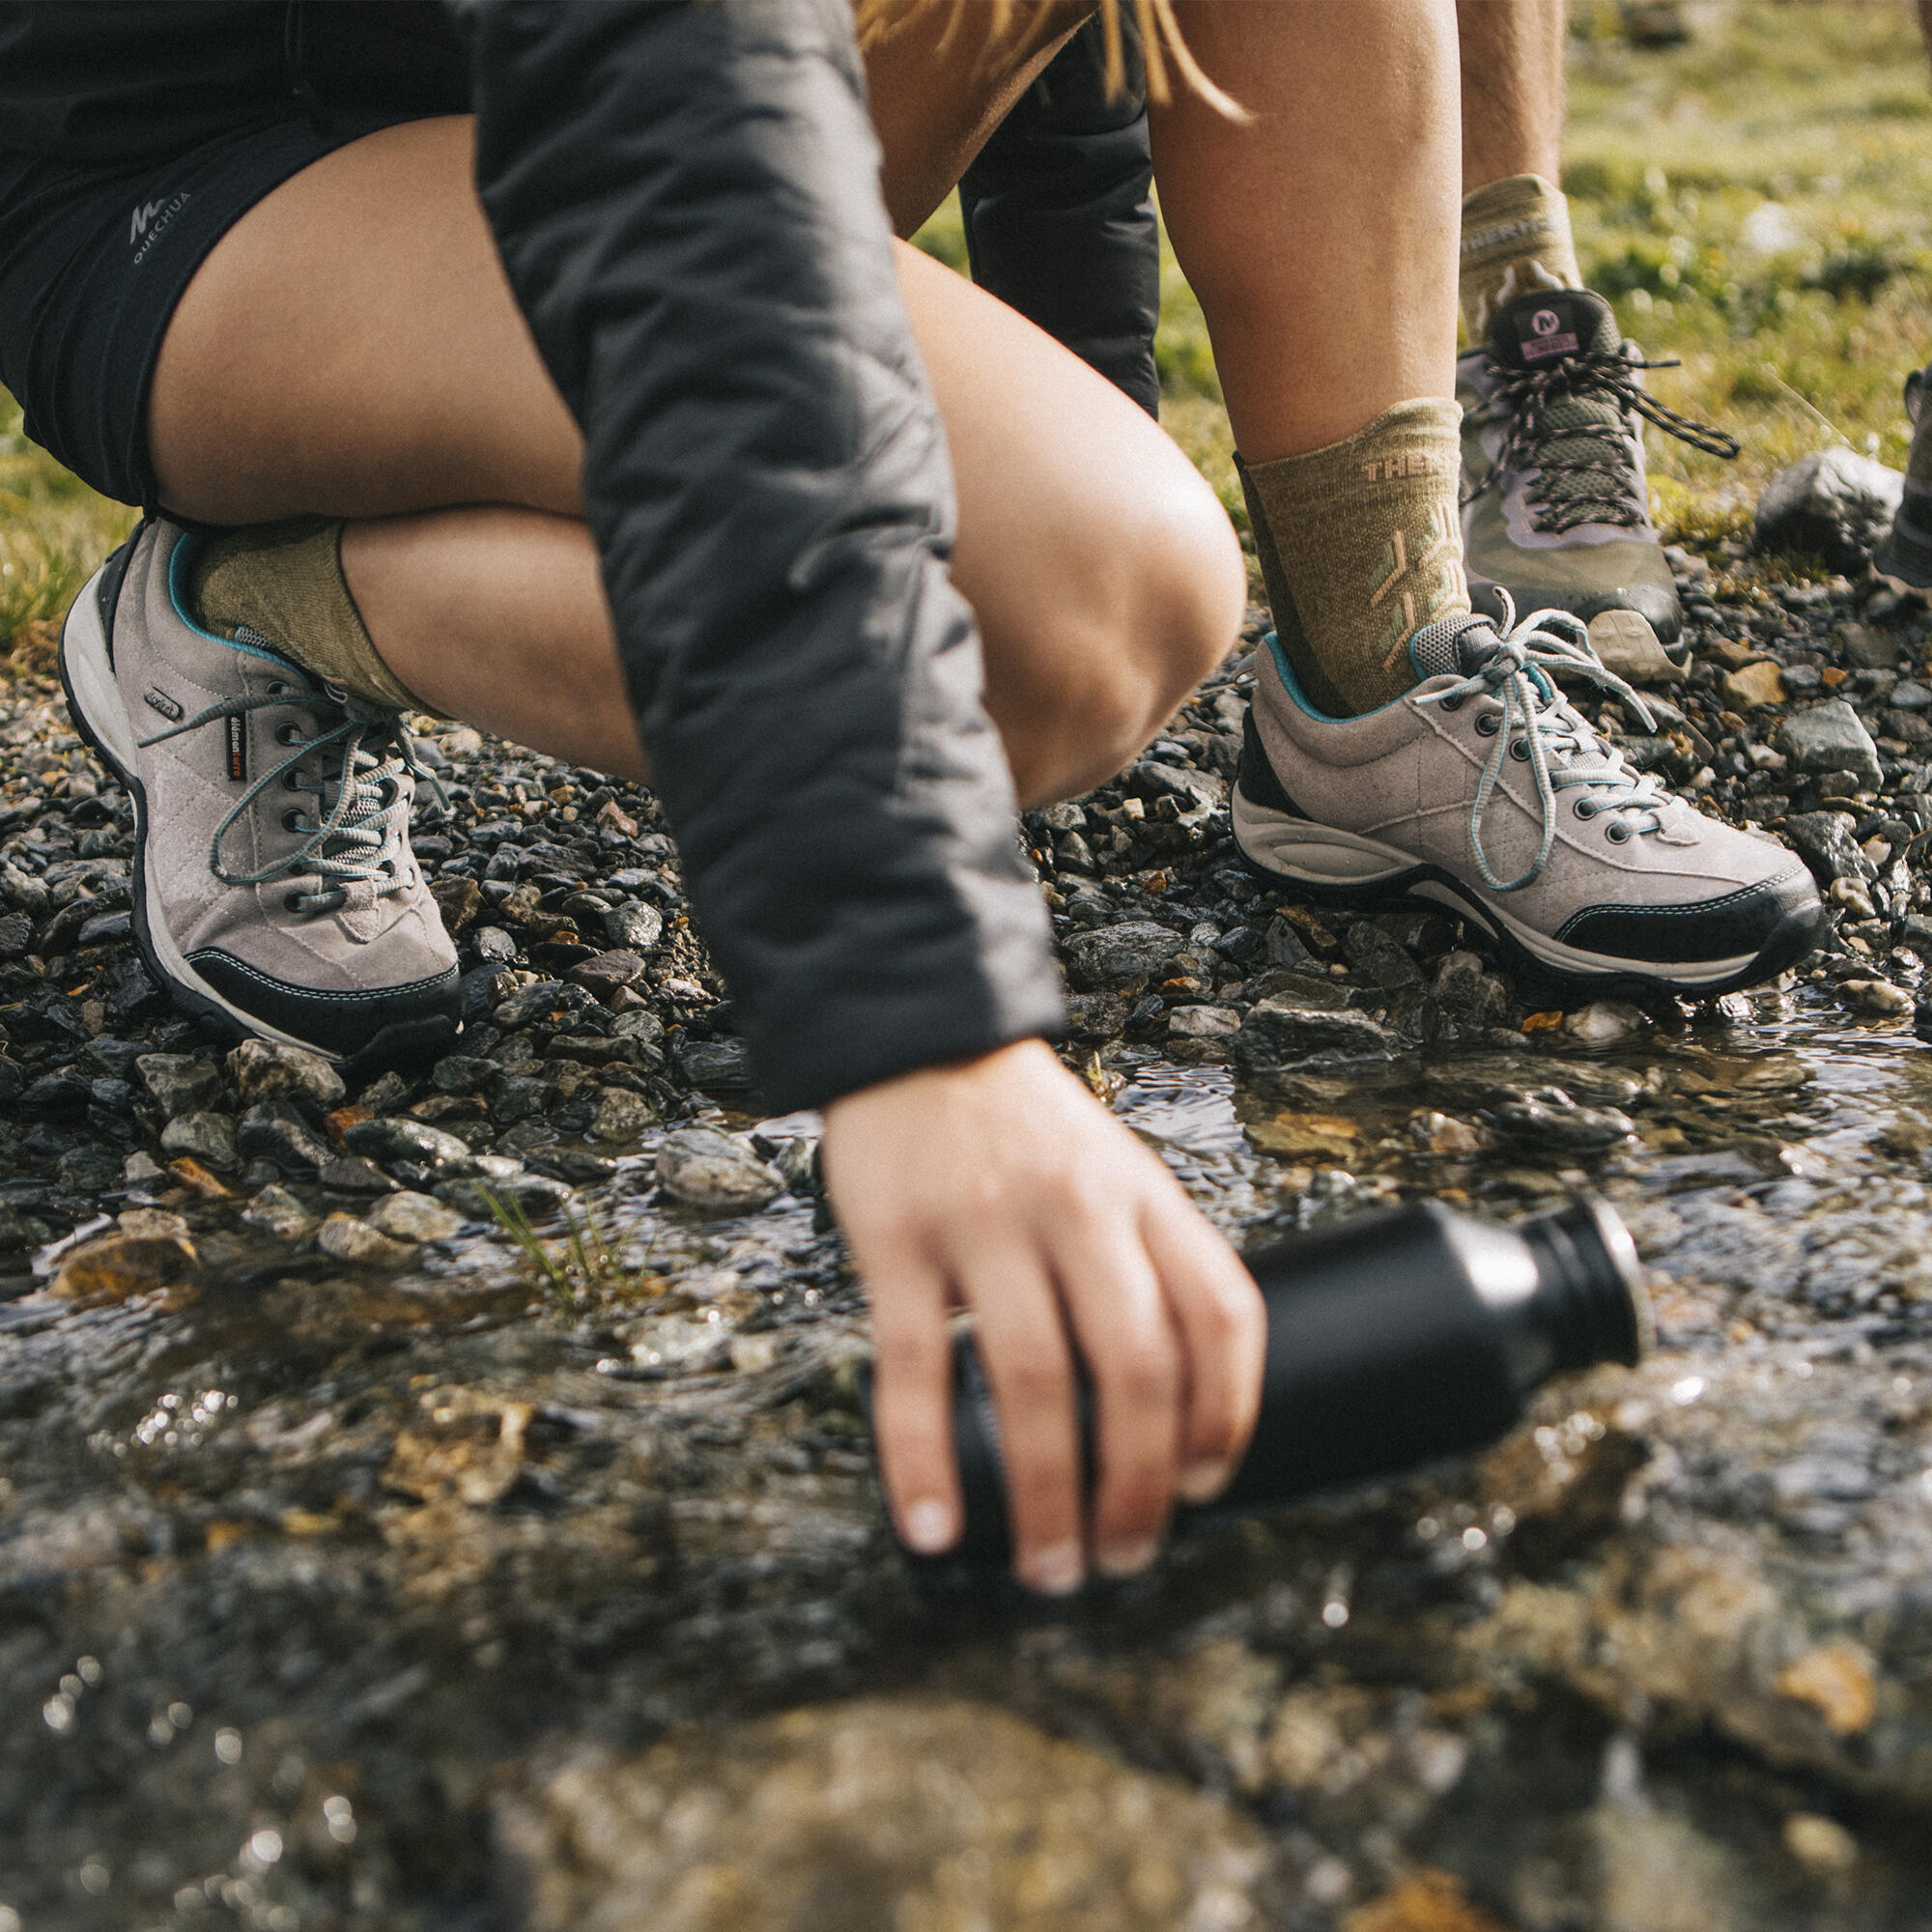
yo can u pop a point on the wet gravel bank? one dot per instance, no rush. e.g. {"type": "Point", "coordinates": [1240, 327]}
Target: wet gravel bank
{"type": "Point", "coordinates": [358, 1567]}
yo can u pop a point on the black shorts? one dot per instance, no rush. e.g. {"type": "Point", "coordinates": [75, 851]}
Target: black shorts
{"type": "Point", "coordinates": [92, 260]}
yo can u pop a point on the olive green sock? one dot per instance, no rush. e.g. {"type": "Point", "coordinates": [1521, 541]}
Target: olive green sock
{"type": "Point", "coordinates": [285, 582]}
{"type": "Point", "coordinates": [1360, 544]}
{"type": "Point", "coordinates": [1515, 237]}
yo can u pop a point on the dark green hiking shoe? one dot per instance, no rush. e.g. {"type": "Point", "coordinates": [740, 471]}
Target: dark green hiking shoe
{"type": "Point", "coordinates": [1904, 559]}
{"type": "Point", "coordinates": [1554, 506]}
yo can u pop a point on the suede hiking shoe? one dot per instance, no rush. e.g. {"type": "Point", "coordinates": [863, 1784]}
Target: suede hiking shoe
{"type": "Point", "coordinates": [1483, 790]}
{"type": "Point", "coordinates": [1904, 556]}
{"type": "Point", "coordinates": [274, 890]}
{"type": "Point", "coordinates": [1554, 505]}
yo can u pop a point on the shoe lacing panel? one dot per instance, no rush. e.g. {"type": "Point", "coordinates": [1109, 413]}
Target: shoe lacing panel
{"type": "Point", "coordinates": [1567, 421]}
{"type": "Point", "coordinates": [359, 767]}
{"type": "Point", "coordinates": [1561, 747]}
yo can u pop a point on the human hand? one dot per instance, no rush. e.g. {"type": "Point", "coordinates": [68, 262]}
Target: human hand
{"type": "Point", "coordinates": [1003, 1185]}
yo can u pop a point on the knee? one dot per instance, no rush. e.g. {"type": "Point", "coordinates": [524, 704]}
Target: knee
{"type": "Point", "coordinates": [1167, 609]}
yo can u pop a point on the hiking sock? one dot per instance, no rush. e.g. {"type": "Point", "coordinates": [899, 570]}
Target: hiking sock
{"type": "Point", "coordinates": [1515, 237]}
{"type": "Point", "coordinates": [284, 582]}
{"type": "Point", "coordinates": [1360, 546]}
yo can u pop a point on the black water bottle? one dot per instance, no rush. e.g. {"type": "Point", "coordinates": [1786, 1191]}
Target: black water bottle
{"type": "Point", "coordinates": [1392, 1338]}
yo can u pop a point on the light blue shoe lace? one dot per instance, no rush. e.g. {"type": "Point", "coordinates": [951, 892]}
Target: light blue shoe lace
{"type": "Point", "coordinates": [1538, 726]}
{"type": "Point", "coordinates": [358, 830]}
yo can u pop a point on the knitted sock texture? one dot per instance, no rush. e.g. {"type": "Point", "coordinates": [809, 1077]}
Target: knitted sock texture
{"type": "Point", "coordinates": [285, 582]}
{"type": "Point", "coordinates": [1360, 544]}
{"type": "Point", "coordinates": [1515, 237]}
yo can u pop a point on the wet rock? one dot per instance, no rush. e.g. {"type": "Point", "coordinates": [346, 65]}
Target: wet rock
{"type": "Point", "coordinates": [1865, 648]}
{"type": "Point", "coordinates": [1836, 1681]}
{"type": "Point", "coordinates": [542, 998]}
{"type": "Point", "coordinates": [1202, 1022]}
{"type": "Point", "coordinates": [1754, 685]}
{"type": "Point", "coordinates": [1379, 958]}
{"type": "Point", "coordinates": [463, 1073]}
{"type": "Point", "coordinates": [1879, 998]}
{"type": "Point", "coordinates": [353, 1174]}
{"type": "Point", "coordinates": [604, 973]}
{"type": "Point", "coordinates": [119, 1265]}
{"type": "Point", "coordinates": [537, 1194]}
{"type": "Point", "coordinates": [348, 1240]}
{"type": "Point", "coordinates": [1444, 1134]}
{"type": "Point", "coordinates": [458, 900]}
{"type": "Point", "coordinates": [1832, 505]}
{"type": "Point", "coordinates": [715, 1174]}
{"type": "Point", "coordinates": [1550, 1116]}
{"type": "Point", "coordinates": [275, 1131]}
{"type": "Point", "coordinates": [494, 947]}
{"type": "Point", "coordinates": [263, 1069]}
{"type": "Point", "coordinates": [1820, 1844]}
{"type": "Point", "coordinates": [1829, 737]}
{"type": "Point", "coordinates": [743, 1831]}
{"type": "Point", "coordinates": [1279, 1035]}
{"type": "Point", "coordinates": [622, 1115]}
{"type": "Point", "coordinates": [17, 935]}
{"type": "Point", "coordinates": [208, 1138]}
{"type": "Point", "coordinates": [414, 1217]}
{"type": "Point", "coordinates": [634, 929]}
{"type": "Point", "coordinates": [276, 1211]}
{"type": "Point", "coordinates": [402, 1139]}
{"type": "Point", "coordinates": [1467, 995]}
{"type": "Point", "coordinates": [178, 1082]}
{"type": "Point", "coordinates": [1114, 957]}
{"type": "Point", "coordinates": [722, 1067]}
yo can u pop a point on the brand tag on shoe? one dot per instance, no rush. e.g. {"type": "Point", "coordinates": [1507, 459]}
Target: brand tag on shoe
{"type": "Point", "coordinates": [237, 749]}
{"type": "Point", "coordinates": [1546, 330]}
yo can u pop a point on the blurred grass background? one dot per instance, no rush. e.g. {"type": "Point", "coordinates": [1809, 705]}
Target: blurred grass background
{"type": "Point", "coordinates": [1756, 200]}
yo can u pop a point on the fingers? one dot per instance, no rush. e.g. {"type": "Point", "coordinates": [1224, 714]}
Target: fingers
{"type": "Point", "coordinates": [1120, 1321]}
{"type": "Point", "coordinates": [912, 1405]}
{"type": "Point", "coordinates": [1023, 1345]}
{"type": "Point", "coordinates": [1215, 1304]}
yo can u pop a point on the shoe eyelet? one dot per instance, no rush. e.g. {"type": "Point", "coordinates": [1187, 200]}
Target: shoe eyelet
{"type": "Point", "coordinates": [292, 820]}
{"type": "Point", "coordinates": [278, 689]}
{"type": "Point", "coordinates": [1584, 809]}
{"type": "Point", "coordinates": [1520, 750]}
{"type": "Point", "coordinates": [288, 734]}
{"type": "Point", "coordinates": [1617, 833]}
{"type": "Point", "coordinates": [1452, 704]}
{"type": "Point", "coordinates": [292, 902]}
{"type": "Point", "coordinates": [1489, 724]}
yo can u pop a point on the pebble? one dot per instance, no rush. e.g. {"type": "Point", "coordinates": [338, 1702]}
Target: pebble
{"type": "Point", "coordinates": [180, 1083]}
{"type": "Point", "coordinates": [622, 1115]}
{"type": "Point", "coordinates": [1832, 503]}
{"type": "Point", "coordinates": [121, 1265]}
{"type": "Point", "coordinates": [1202, 1022]}
{"type": "Point", "coordinates": [1820, 1844]}
{"type": "Point", "coordinates": [278, 1211]}
{"type": "Point", "coordinates": [1877, 997]}
{"type": "Point", "coordinates": [1114, 957]}
{"type": "Point", "coordinates": [715, 1174]}
{"type": "Point", "coordinates": [206, 1137]}
{"type": "Point", "coordinates": [634, 929]}
{"type": "Point", "coordinates": [414, 1217]}
{"type": "Point", "coordinates": [1756, 685]}
{"type": "Point", "coordinates": [263, 1069]}
{"type": "Point", "coordinates": [1827, 737]}
{"type": "Point", "coordinates": [1280, 1034]}
{"type": "Point", "coordinates": [348, 1240]}
{"type": "Point", "coordinates": [401, 1139]}
{"type": "Point", "coordinates": [1603, 1022]}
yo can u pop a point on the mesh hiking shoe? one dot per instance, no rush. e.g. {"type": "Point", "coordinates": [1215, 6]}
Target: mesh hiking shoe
{"type": "Point", "coordinates": [1554, 506]}
{"type": "Point", "coordinates": [274, 890]}
{"type": "Point", "coordinates": [1904, 555]}
{"type": "Point", "coordinates": [1483, 790]}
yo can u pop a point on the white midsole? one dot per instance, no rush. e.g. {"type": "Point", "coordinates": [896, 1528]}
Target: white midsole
{"type": "Point", "coordinates": [1324, 855]}
{"type": "Point", "coordinates": [91, 678]}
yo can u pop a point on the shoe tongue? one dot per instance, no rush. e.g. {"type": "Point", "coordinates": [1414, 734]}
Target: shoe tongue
{"type": "Point", "coordinates": [1534, 329]}
{"type": "Point", "coordinates": [1452, 647]}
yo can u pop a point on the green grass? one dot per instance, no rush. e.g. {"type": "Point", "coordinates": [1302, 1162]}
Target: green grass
{"type": "Point", "coordinates": [1819, 110]}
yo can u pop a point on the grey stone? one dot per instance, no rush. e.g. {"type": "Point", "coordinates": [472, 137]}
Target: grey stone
{"type": "Point", "coordinates": [268, 1070]}
{"type": "Point", "coordinates": [208, 1137]}
{"type": "Point", "coordinates": [603, 973]}
{"type": "Point", "coordinates": [402, 1139]}
{"type": "Point", "coordinates": [622, 1115]}
{"type": "Point", "coordinates": [537, 1194]}
{"type": "Point", "coordinates": [1832, 505]}
{"type": "Point", "coordinates": [1867, 649]}
{"type": "Point", "coordinates": [1467, 992]}
{"type": "Point", "coordinates": [634, 927]}
{"type": "Point", "coordinates": [351, 1174]}
{"type": "Point", "coordinates": [1550, 1118]}
{"type": "Point", "coordinates": [348, 1240]}
{"type": "Point", "coordinates": [1111, 957]}
{"type": "Point", "coordinates": [1203, 1023]}
{"type": "Point", "coordinates": [1285, 947]}
{"type": "Point", "coordinates": [1379, 957]}
{"type": "Point", "coordinates": [1827, 737]}
{"type": "Point", "coordinates": [718, 1066]}
{"type": "Point", "coordinates": [414, 1217]}
{"type": "Point", "coordinates": [17, 935]}
{"type": "Point", "coordinates": [278, 1213]}
{"type": "Point", "coordinates": [178, 1082]}
{"type": "Point", "coordinates": [274, 1129]}
{"type": "Point", "coordinates": [1824, 840]}
{"type": "Point", "coordinates": [715, 1174]}
{"type": "Point", "coordinates": [494, 945]}
{"type": "Point", "coordinates": [1908, 695]}
{"type": "Point", "coordinates": [462, 1074]}
{"type": "Point", "coordinates": [540, 999]}
{"type": "Point", "coordinates": [1279, 1035]}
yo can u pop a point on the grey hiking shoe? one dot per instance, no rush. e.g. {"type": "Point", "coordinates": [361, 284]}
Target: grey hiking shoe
{"type": "Point", "coordinates": [1483, 790]}
{"type": "Point", "coordinates": [1904, 556]}
{"type": "Point", "coordinates": [274, 890]}
{"type": "Point", "coordinates": [1554, 505]}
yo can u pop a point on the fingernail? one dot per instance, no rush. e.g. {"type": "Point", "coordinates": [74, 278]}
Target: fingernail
{"type": "Point", "coordinates": [1203, 1482]}
{"type": "Point", "coordinates": [928, 1527]}
{"type": "Point", "coordinates": [1057, 1570]}
{"type": "Point", "coordinates": [1128, 1559]}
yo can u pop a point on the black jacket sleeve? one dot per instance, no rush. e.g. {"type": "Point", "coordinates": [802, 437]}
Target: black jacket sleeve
{"type": "Point", "coordinates": [684, 194]}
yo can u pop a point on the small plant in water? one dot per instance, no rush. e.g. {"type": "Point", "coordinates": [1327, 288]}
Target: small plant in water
{"type": "Point", "coordinates": [581, 1263]}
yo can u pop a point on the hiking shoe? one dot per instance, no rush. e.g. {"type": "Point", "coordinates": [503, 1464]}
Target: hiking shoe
{"type": "Point", "coordinates": [1904, 556]}
{"type": "Point", "coordinates": [274, 890]}
{"type": "Point", "coordinates": [1554, 506]}
{"type": "Point", "coordinates": [1483, 790]}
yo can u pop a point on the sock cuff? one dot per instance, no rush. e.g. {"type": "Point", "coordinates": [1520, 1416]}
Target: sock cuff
{"type": "Point", "coordinates": [1420, 438]}
{"type": "Point", "coordinates": [1527, 199]}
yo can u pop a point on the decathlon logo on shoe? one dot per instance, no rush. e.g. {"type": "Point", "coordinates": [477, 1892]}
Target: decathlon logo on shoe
{"type": "Point", "coordinates": [1548, 336]}
{"type": "Point", "coordinates": [152, 220]}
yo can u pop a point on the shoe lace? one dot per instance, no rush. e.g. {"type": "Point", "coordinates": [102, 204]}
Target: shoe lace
{"type": "Point", "coordinates": [1562, 747]}
{"type": "Point", "coordinates": [361, 778]}
{"type": "Point", "coordinates": [1585, 472]}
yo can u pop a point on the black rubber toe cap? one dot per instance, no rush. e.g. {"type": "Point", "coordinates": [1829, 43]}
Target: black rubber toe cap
{"type": "Point", "coordinates": [1778, 922]}
{"type": "Point", "coordinates": [1656, 603]}
{"type": "Point", "coordinates": [381, 1023]}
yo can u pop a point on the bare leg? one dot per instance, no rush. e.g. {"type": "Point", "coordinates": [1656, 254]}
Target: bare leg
{"type": "Point", "coordinates": [1512, 89]}
{"type": "Point", "coordinates": [1104, 573]}
{"type": "Point", "coordinates": [1321, 237]}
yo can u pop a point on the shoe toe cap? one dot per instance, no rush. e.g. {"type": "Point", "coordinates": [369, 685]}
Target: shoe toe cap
{"type": "Point", "coordinates": [363, 1023]}
{"type": "Point", "coordinates": [1775, 920]}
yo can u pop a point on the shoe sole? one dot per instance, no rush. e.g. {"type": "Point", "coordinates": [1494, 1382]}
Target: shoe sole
{"type": "Point", "coordinates": [1627, 644]}
{"type": "Point", "coordinates": [1342, 868]}
{"type": "Point", "coordinates": [93, 702]}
